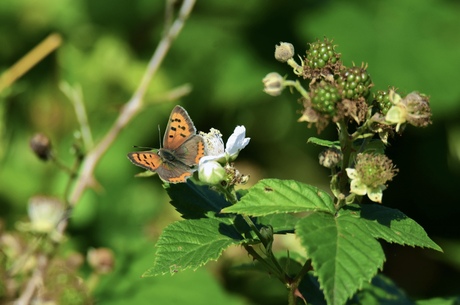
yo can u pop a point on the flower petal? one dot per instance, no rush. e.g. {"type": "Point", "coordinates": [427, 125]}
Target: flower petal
{"type": "Point", "coordinates": [351, 173]}
{"type": "Point", "coordinates": [376, 194]}
{"type": "Point", "coordinates": [214, 145]}
{"type": "Point", "coordinates": [357, 187]}
{"type": "Point", "coordinates": [237, 141]}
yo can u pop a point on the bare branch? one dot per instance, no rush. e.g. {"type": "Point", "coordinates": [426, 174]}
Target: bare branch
{"type": "Point", "coordinates": [131, 108]}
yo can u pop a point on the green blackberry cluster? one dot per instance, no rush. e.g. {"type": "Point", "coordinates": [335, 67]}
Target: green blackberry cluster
{"type": "Point", "coordinates": [355, 82]}
{"type": "Point", "coordinates": [382, 99]}
{"type": "Point", "coordinates": [321, 55]}
{"type": "Point", "coordinates": [324, 97]}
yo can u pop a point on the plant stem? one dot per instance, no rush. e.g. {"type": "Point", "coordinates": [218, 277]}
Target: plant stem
{"type": "Point", "coordinates": [346, 146]}
{"type": "Point", "coordinates": [296, 84]}
{"type": "Point", "coordinates": [128, 112]}
{"type": "Point", "coordinates": [132, 107]}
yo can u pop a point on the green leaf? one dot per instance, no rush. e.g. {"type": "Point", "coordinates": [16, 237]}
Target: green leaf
{"type": "Point", "coordinates": [271, 196]}
{"type": "Point", "coordinates": [281, 223]}
{"type": "Point", "coordinates": [322, 142]}
{"type": "Point", "coordinates": [343, 254]}
{"type": "Point", "coordinates": [381, 291]}
{"type": "Point", "coordinates": [391, 225]}
{"type": "Point", "coordinates": [195, 201]}
{"type": "Point", "coordinates": [440, 301]}
{"type": "Point", "coordinates": [191, 244]}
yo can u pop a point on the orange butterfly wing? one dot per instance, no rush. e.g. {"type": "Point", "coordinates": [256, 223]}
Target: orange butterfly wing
{"type": "Point", "coordinates": [181, 152]}
{"type": "Point", "coordinates": [180, 128]}
{"type": "Point", "coordinates": [150, 160]}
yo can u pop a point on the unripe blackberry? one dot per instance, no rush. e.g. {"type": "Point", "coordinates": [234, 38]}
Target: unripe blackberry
{"type": "Point", "coordinates": [355, 82]}
{"type": "Point", "coordinates": [321, 54]}
{"type": "Point", "coordinates": [383, 101]}
{"type": "Point", "coordinates": [324, 97]}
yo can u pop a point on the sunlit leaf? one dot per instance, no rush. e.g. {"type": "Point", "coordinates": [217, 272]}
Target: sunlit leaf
{"type": "Point", "coordinates": [271, 196]}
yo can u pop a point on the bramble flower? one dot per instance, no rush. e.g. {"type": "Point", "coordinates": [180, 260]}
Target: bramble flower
{"type": "Point", "coordinates": [413, 109]}
{"type": "Point", "coordinates": [210, 169]}
{"type": "Point", "coordinates": [370, 175]}
{"type": "Point", "coordinates": [45, 213]}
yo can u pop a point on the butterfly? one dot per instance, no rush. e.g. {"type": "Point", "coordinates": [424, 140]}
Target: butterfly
{"type": "Point", "coordinates": [182, 150]}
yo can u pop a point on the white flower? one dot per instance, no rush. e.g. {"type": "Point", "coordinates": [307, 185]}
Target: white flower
{"type": "Point", "coordinates": [210, 169]}
{"type": "Point", "coordinates": [214, 145]}
{"type": "Point", "coordinates": [359, 188]}
{"type": "Point", "coordinates": [236, 142]}
{"type": "Point", "coordinates": [45, 213]}
{"type": "Point", "coordinates": [370, 175]}
{"type": "Point", "coordinates": [413, 109]}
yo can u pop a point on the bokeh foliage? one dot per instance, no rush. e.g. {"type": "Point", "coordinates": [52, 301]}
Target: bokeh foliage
{"type": "Point", "coordinates": [224, 51]}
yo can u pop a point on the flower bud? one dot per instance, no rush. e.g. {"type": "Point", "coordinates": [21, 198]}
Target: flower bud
{"type": "Point", "coordinates": [330, 157]}
{"type": "Point", "coordinates": [211, 172]}
{"type": "Point", "coordinates": [101, 260]}
{"type": "Point", "coordinates": [284, 51]}
{"type": "Point", "coordinates": [273, 84]}
{"type": "Point", "coordinates": [41, 146]}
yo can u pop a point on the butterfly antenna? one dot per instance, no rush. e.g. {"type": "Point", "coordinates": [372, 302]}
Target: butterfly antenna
{"type": "Point", "coordinates": [143, 147]}
{"type": "Point", "coordinates": [159, 135]}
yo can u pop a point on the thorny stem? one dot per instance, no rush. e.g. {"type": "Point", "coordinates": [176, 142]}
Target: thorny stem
{"type": "Point", "coordinates": [346, 147]}
{"type": "Point", "coordinates": [133, 106]}
{"type": "Point", "coordinates": [271, 268]}
{"type": "Point", "coordinates": [130, 109]}
{"type": "Point", "coordinates": [296, 282]}
{"type": "Point", "coordinates": [271, 263]}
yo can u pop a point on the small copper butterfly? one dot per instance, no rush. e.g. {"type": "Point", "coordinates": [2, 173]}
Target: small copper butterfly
{"type": "Point", "coordinates": [182, 150]}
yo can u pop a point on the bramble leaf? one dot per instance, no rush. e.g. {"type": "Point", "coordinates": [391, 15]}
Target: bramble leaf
{"type": "Point", "coordinates": [391, 225]}
{"type": "Point", "coordinates": [191, 244]}
{"type": "Point", "coordinates": [271, 196]}
{"type": "Point", "coordinates": [322, 142]}
{"type": "Point", "coordinates": [343, 254]}
{"type": "Point", "coordinates": [195, 201]}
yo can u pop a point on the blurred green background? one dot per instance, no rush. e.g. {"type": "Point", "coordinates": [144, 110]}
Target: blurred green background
{"type": "Point", "coordinates": [224, 51]}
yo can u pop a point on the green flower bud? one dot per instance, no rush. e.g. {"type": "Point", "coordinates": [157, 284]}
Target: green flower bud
{"type": "Point", "coordinates": [211, 172]}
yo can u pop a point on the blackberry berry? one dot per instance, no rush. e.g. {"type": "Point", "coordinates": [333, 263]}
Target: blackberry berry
{"type": "Point", "coordinates": [324, 97]}
{"type": "Point", "coordinates": [321, 60]}
{"type": "Point", "coordinates": [321, 53]}
{"type": "Point", "coordinates": [355, 82]}
{"type": "Point", "coordinates": [383, 101]}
